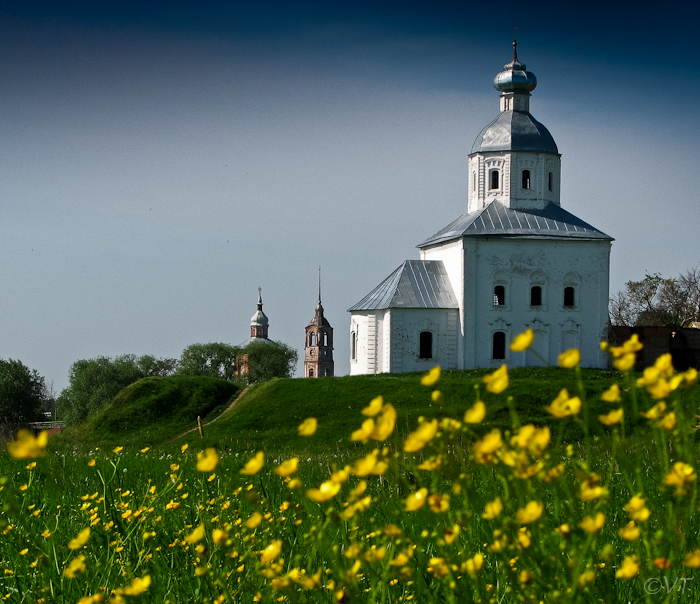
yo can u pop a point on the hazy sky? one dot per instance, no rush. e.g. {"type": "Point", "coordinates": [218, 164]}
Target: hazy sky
{"type": "Point", "coordinates": [160, 161]}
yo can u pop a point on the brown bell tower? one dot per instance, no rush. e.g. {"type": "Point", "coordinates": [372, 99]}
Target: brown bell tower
{"type": "Point", "coordinates": [318, 349]}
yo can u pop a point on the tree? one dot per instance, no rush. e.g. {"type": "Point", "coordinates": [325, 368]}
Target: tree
{"type": "Point", "coordinates": [151, 366]}
{"type": "Point", "coordinates": [214, 359]}
{"type": "Point", "coordinates": [658, 301]}
{"type": "Point", "coordinates": [22, 393]}
{"type": "Point", "coordinates": [93, 383]}
{"type": "Point", "coordinates": [267, 360]}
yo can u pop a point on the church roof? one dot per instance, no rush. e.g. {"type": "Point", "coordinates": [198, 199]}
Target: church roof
{"type": "Point", "coordinates": [415, 284]}
{"type": "Point", "coordinates": [496, 220]}
{"type": "Point", "coordinates": [515, 131]}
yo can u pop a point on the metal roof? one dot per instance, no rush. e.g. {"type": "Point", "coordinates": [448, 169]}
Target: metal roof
{"type": "Point", "coordinates": [415, 284]}
{"type": "Point", "coordinates": [496, 220]}
{"type": "Point", "coordinates": [515, 131]}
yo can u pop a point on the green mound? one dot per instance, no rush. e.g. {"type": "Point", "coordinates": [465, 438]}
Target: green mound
{"type": "Point", "coordinates": [267, 416]}
{"type": "Point", "coordinates": [154, 410]}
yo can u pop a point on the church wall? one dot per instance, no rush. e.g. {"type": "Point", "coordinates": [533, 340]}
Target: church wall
{"type": "Point", "coordinates": [364, 325]}
{"type": "Point", "coordinates": [517, 265]}
{"type": "Point", "coordinates": [406, 326]}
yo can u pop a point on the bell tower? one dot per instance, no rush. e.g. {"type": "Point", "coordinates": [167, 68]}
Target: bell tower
{"type": "Point", "coordinates": [318, 348]}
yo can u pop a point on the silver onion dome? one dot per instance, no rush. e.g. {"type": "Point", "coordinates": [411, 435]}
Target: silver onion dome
{"type": "Point", "coordinates": [515, 77]}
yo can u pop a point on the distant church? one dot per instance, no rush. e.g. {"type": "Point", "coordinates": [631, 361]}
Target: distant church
{"type": "Point", "coordinates": [318, 347]}
{"type": "Point", "coordinates": [515, 260]}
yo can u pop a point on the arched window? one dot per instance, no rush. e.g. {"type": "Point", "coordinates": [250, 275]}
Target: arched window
{"type": "Point", "coordinates": [526, 179]}
{"type": "Point", "coordinates": [353, 346]}
{"type": "Point", "coordinates": [550, 181]}
{"type": "Point", "coordinates": [312, 338]}
{"type": "Point", "coordinates": [569, 297]}
{"type": "Point", "coordinates": [536, 296]}
{"type": "Point", "coordinates": [499, 345]}
{"type": "Point", "coordinates": [473, 181]}
{"type": "Point", "coordinates": [494, 179]}
{"type": "Point", "coordinates": [425, 345]}
{"type": "Point", "coordinates": [499, 295]}
{"type": "Point", "coordinates": [311, 372]}
{"type": "Point", "coordinates": [325, 339]}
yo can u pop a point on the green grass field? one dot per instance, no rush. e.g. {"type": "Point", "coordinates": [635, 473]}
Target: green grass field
{"type": "Point", "coordinates": [482, 511]}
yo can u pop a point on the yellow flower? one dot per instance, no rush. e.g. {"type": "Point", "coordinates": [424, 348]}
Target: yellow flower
{"type": "Point", "coordinates": [530, 513]}
{"type": "Point", "coordinates": [656, 412]}
{"type": "Point", "coordinates": [254, 521]}
{"type": "Point", "coordinates": [271, 552]}
{"type": "Point", "coordinates": [374, 407]}
{"type": "Point", "coordinates": [485, 448]}
{"type": "Point", "coordinates": [614, 417]}
{"type": "Point", "coordinates": [438, 567]}
{"type": "Point", "coordinates": [629, 568]}
{"type": "Point", "coordinates": [592, 524]}
{"type": "Point", "coordinates": [254, 465]}
{"type": "Point", "coordinates": [630, 532]}
{"type": "Point", "coordinates": [612, 394]}
{"type": "Point", "coordinates": [325, 492]}
{"type": "Point", "coordinates": [591, 489]}
{"type": "Point", "coordinates": [497, 381]}
{"type": "Point", "coordinates": [196, 535]}
{"type": "Point", "coordinates": [625, 362]}
{"type": "Point", "coordinates": [287, 468]}
{"type": "Point", "coordinates": [439, 503]}
{"type": "Point", "coordinates": [692, 559]}
{"type": "Point", "coordinates": [563, 406]}
{"type": "Point", "coordinates": [308, 426]}
{"type": "Point", "coordinates": [366, 465]}
{"type": "Point", "coordinates": [80, 540]}
{"type": "Point", "coordinates": [533, 439]}
{"type": "Point", "coordinates": [564, 531]}
{"type": "Point", "coordinates": [91, 463]}
{"type": "Point", "coordinates": [476, 414]}
{"type": "Point", "coordinates": [364, 432]}
{"type": "Point", "coordinates": [416, 500]}
{"type": "Point", "coordinates": [145, 449]}
{"type": "Point", "coordinates": [636, 509]}
{"type": "Point", "coordinates": [474, 564]}
{"type": "Point", "coordinates": [75, 567]}
{"type": "Point", "coordinates": [492, 509]}
{"type": "Point", "coordinates": [431, 378]}
{"type": "Point", "coordinates": [27, 446]}
{"type": "Point", "coordinates": [137, 586]}
{"type": "Point", "coordinates": [669, 421]}
{"type": "Point", "coordinates": [569, 358]}
{"type": "Point", "coordinates": [523, 341]}
{"type": "Point", "coordinates": [680, 476]}
{"type": "Point", "coordinates": [118, 449]}
{"type": "Point", "coordinates": [586, 578]}
{"type": "Point", "coordinates": [451, 534]}
{"type": "Point", "coordinates": [184, 447]}
{"type": "Point", "coordinates": [384, 425]}
{"type": "Point", "coordinates": [207, 460]}
{"type": "Point", "coordinates": [418, 439]}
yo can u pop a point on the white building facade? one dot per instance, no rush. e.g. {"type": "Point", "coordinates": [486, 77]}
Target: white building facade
{"type": "Point", "coordinates": [515, 260]}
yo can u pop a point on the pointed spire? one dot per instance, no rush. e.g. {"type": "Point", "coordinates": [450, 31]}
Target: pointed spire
{"type": "Point", "coordinates": [319, 285]}
{"type": "Point", "coordinates": [260, 302]}
{"type": "Point", "coordinates": [515, 44]}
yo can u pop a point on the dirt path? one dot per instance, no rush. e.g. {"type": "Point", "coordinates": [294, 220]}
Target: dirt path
{"type": "Point", "coordinates": [217, 418]}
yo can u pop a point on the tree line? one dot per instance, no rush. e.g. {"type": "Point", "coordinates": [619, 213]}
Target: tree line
{"type": "Point", "coordinates": [92, 383]}
{"type": "Point", "coordinates": [657, 300]}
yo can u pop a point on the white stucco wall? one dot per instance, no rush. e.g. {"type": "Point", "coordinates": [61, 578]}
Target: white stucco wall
{"type": "Point", "coordinates": [388, 340]}
{"type": "Point", "coordinates": [518, 264]}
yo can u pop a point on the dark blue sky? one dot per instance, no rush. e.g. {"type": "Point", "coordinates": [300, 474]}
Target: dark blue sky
{"type": "Point", "coordinates": [159, 161]}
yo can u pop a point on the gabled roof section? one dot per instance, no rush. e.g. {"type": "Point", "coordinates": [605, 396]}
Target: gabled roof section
{"type": "Point", "coordinates": [415, 284]}
{"type": "Point", "coordinates": [496, 220]}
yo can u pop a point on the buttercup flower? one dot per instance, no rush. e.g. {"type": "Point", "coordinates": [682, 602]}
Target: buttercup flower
{"type": "Point", "coordinates": [497, 381]}
{"type": "Point", "coordinates": [80, 540]}
{"type": "Point", "coordinates": [423, 435]}
{"type": "Point", "coordinates": [523, 341]}
{"type": "Point", "coordinates": [476, 414]}
{"type": "Point", "coordinates": [563, 406]}
{"type": "Point", "coordinates": [287, 468]}
{"type": "Point", "coordinates": [207, 460]}
{"type": "Point", "coordinates": [569, 358]}
{"type": "Point", "coordinates": [592, 524]}
{"type": "Point", "coordinates": [364, 432]}
{"type": "Point", "coordinates": [680, 476]}
{"type": "Point", "coordinates": [530, 513]}
{"type": "Point", "coordinates": [628, 569]}
{"type": "Point", "coordinates": [431, 378]}
{"type": "Point", "coordinates": [614, 417]}
{"type": "Point", "coordinates": [271, 552]}
{"type": "Point", "coordinates": [384, 425]}
{"type": "Point", "coordinates": [636, 509]}
{"type": "Point", "coordinates": [630, 532]}
{"type": "Point", "coordinates": [374, 407]}
{"type": "Point", "coordinates": [485, 448]}
{"type": "Point", "coordinates": [308, 426]}
{"type": "Point", "coordinates": [27, 446]}
{"type": "Point", "coordinates": [196, 535]}
{"type": "Point", "coordinates": [254, 465]}
{"type": "Point", "coordinates": [325, 492]}
{"type": "Point", "coordinates": [492, 509]}
{"type": "Point", "coordinates": [416, 500]}
{"type": "Point", "coordinates": [612, 394]}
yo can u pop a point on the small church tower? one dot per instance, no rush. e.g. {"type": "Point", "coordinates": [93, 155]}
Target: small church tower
{"type": "Point", "coordinates": [258, 322]}
{"type": "Point", "coordinates": [318, 357]}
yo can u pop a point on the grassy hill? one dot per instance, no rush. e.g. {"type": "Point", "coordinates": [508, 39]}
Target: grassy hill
{"type": "Point", "coordinates": [154, 410]}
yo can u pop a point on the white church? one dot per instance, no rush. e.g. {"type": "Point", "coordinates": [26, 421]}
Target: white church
{"type": "Point", "coordinates": [515, 260]}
